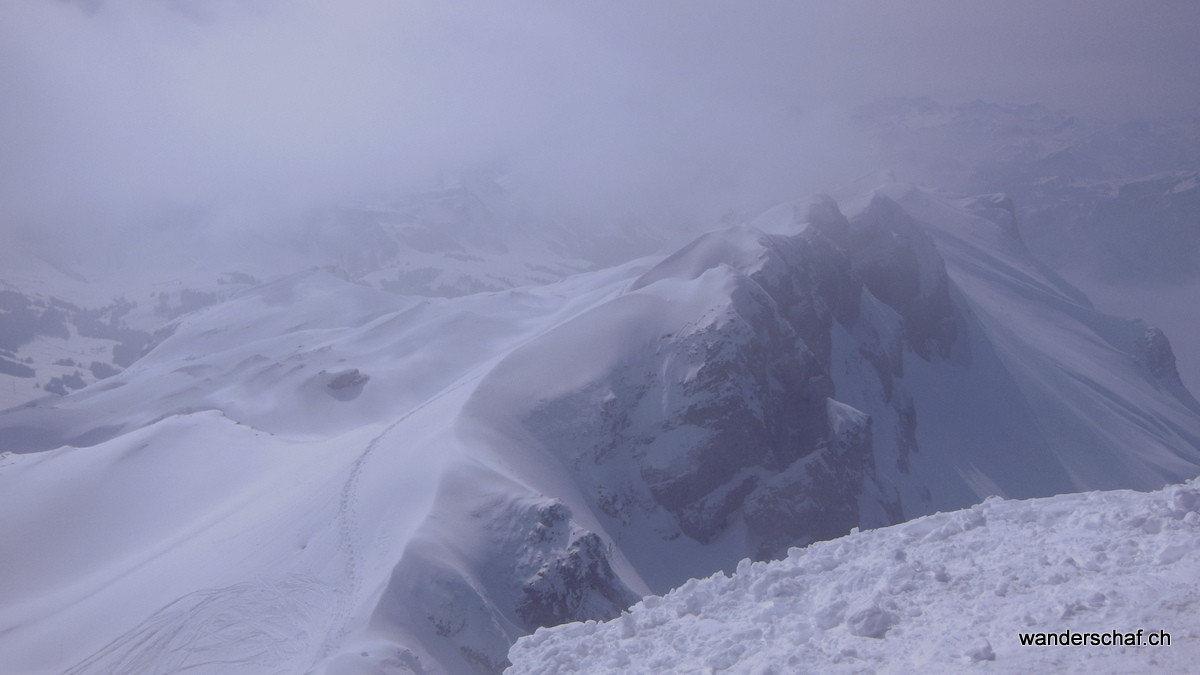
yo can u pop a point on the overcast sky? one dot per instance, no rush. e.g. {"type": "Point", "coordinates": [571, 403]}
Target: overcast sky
{"type": "Point", "coordinates": [116, 110]}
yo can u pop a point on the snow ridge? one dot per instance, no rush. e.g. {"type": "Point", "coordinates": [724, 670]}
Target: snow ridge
{"type": "Point", "coordinates": [949, 592]}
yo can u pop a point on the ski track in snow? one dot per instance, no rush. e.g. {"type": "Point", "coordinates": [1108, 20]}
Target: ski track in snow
{"type": "Point", "coordinates": [348, 542]}
{"type": "Point", "coordinates": [254, 626]}
{"type": "Point", "coordinates": [348, 545]}
{"type": "Point", "coordinates": [259, 626]}
{"type": "Point", "coordinates": [349, 539]}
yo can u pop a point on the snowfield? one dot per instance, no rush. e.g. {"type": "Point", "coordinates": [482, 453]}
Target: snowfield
{"type": "Point", "coordinates": [951, 592]}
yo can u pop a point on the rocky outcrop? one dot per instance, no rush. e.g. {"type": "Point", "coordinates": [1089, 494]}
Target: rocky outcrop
{"type": "Point", "coordinates": [563, 572]}
{"type": "Point", "coordinates": [529, 565]}
{"type": "Point", "coordinates": [730, 419]}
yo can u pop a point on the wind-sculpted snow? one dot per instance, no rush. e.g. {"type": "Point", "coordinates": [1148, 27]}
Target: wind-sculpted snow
{"type": "Point", "coordinates": [445, 475]}
{"type": "Point", "coordinates": [1113, 207]}
{"type": "Point", "coordinates": [251, 627]}
{"type": "Point", "coordinates": [687, 397]}
{"type": "Point", "coordinates": [696, 405]}
{"type": "Point", "coordinates": [950, 592]}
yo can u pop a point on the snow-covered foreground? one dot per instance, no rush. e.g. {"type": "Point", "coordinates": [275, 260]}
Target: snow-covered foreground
{"type": "Point", "coordinates": [951, 592]}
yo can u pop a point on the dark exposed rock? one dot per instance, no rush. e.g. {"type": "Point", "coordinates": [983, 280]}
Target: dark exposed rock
{"type": "Point", "coordinates": [899, 265]}
{"type": "Point", "coordinates": [558, 592]}
{"type": "Point", "coordinates": [1155, 354]}
{"type": "Point", "coordinates": [347, 379]}
{"type": "Point", "coordinates": [62, 384]}
{"type": "Point", "coordinates": [23, 318]}
{"type": "Point", "coordinates": [749, 435]}
{"type": "Point", "coordinates": [540, 569]}
{"type": "Point", "coordinates": [102, 370]}
{"type": "Point", "coordinates": [174, 305]}
{"type": "Point", "coordinates": [807, 501]}
{"type": "Point", "coordinates": [344, 385]}
{"type": "Point", "coordinates": [563, 570]}
{"type": "Point", "coordinates": [15, 369]}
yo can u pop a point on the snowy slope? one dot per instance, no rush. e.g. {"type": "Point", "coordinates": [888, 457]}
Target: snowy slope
{"type": "Point", "coordinates": [73, 314]}
{"type": "Point", "coordinates": [710, 382]}
{"type": "Point", "coordinates": [950, 592]}
{"type": "Point", "coordinates": [248, 485]}
{"type": "Point", "coordinates": [1112, 207]}
{"type": "Point", "coordinates": [316, 475]}
{"type": "Point", "coordinates": [983, 146]}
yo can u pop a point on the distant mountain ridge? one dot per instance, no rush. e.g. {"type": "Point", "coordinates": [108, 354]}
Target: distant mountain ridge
{"type": "Point", "coordinates": [1114, 207]}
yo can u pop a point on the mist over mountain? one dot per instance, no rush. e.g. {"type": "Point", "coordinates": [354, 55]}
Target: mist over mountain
{"type": "Point", "coordinates": [372, 337]}
{"type": "Point", "coordinates": [1110, 206]}
{"type": "Point", "coordinates": [347, 479]}
{"type": "Point", "coordinates": [126, 114]}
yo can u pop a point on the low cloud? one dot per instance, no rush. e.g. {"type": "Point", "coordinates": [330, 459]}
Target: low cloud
{"type": "Point", "coordinates": [123, 113]}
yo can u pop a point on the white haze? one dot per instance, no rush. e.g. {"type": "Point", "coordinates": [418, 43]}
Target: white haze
{"type": "Point", "coordinates": [122, 117]}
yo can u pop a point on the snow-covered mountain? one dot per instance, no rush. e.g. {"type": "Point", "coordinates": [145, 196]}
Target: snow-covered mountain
{"type": "Point", "coordinates": [1083, 583]}
{"type": "Point", "coordinates": [69, 318]}
{"type": "Point", "coordinates": [1111, 207]}
{"type": "Point", "coordinates": [979, 145]}
{"type": "Point", "coordinates": [313, 474]}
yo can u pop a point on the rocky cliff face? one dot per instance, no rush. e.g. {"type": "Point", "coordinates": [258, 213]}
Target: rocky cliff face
{"type": "Point", "coordinates": [727, 420]}
{"type": "Point", "coordinates": [697, 409]}
{"type": "Point", "coordinates": [516, 565]}
{"type": "Point", "coordinates": [799, 392]}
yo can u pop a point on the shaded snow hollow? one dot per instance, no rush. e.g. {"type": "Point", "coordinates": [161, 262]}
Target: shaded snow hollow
{"type": "Point", "coordinates": [949, 592]}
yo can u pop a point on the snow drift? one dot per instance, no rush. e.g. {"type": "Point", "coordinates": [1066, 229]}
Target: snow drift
{"type": "Point", "coordinates": [951, 592]}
